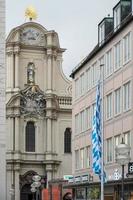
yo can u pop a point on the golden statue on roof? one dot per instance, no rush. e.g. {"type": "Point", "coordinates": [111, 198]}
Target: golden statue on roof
{"type": "Point", "coordinates": [30, 13]}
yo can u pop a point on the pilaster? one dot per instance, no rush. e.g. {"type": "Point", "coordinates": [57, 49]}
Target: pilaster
{"type": "Point", "coordinates": [17, 68]}
{"type": "Point", "coordinates": [49, 70]}
{"type": "Point", "coordinates": [49, 173]}
{"type": "Point", "coordinates": [17, 143]}
{"type": "Point", "coordinates": [10, 68]}
{"type": "Point", "coordinates": [49, 135]}
{"type": "Point", "coordinates": [17, 189]}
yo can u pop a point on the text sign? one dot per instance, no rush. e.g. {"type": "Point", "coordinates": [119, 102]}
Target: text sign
{"type": "Point", "coordinates": [130, 168]}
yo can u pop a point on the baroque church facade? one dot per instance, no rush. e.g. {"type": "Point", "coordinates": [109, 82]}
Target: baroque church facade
{"type": "Point", "coordinates": [38, 110]}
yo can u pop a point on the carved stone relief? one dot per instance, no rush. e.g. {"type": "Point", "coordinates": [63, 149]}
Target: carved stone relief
{"type": "Point", "coordinates": [32, 36]}
{"type": "Point", "coordinates": [32, 102]}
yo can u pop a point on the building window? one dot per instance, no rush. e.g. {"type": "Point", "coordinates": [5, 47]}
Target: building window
{"type": "Point", "coordinates": [76, 88]}
{"type": "Point", "coordinates": [102, 64]}
{"type": "Point", "coordinates": [77, 124]}
{"type": "Point", "coordinates": [92, 112]}
{"type": "Point", "coordinates": [117, 17]}
{"type": "Point", "coordinates": [93, 109]}
{"type": "Point", "coordinates": [117, 56]}
{"type": "Point", "coordinates": [88, 119]}
{"type": "Point", "coordinates": [30, 137]}
{"type": "Point", "coordinates": [80, 193]}
{"type": "Point", "coordinates": [101, 33]}
{"type": "Point", "coordinates": [94, 74]}
{"type": "Point", "coordinates": [88, 73]}
{"type": "Point", "coordinates": [127, 96]}
{"type": "Point", "coordinates": [127, 48]}
{"type": "Point", "coordinates": [109, 150]}
{"type": "Point", "coordinates": [109, 106]}
{"type": "Point", "coordinates": [117, 101]}
{"type": "Point", "coordinates": [82, 120]}
{"type": "Point", "coordinates": [31, 73]}
{"type": "Point", "coordinates": [117, 141]}
{"type": "Point", "coordinates": [82, 82]}
{"type": "Point", "coordinates": [127, 137]}
{"type": "Point", "coordinates": [109, 68]}
{"type": "Point", "coordinates": [87, 157]}
{"type": "Point", "coordinates": [77, 159]}
{"type": "Point", "coordinates": [82, 158]}
{"type": "Point", "coordinates": [67, 140]}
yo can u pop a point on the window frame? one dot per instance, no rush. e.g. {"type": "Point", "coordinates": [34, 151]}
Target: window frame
{"type": "Point", "coordinates": [77, 159]}
{"type": "Point", "coordinates": [116, 54]}
{"type": "Point", "coordinates": [67, 140]}
{"type": "Point", "coordinates": [120, 101]}
{"type": "Point", "coordinates": [26, 147]}
{"type": "Point", "coordinates": [126, 58]}
{"type": "Point", "coordinates": [109, 63]}
{"type": "Point", "coordinates": [110, 155]}
{"type": "Point", "coordinates": [125, 108]}
{"type": "Point", "coordinates": [109, 111]}
{"type": "Point", "coordinates": [117, 14]}
{"type": "Point", "coordinates": [101, 33]}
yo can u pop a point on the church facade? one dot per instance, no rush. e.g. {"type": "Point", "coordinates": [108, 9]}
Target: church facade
{"type": "Point", "coordinates": [38, 110]}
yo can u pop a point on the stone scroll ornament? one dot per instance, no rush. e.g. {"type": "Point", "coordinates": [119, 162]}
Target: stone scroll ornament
{"type": "Point", "coordinates": [32, 102]}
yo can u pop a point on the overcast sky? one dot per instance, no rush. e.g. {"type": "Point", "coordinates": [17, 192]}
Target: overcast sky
{"type": "Point", "coordinates": [75, 21]}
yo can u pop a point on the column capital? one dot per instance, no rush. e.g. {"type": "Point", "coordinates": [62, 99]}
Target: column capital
{"type": "Point", "coordinates": [17, 49]}
{"type": "Point", "coordinates": [16, 53]}
{"type": "Point", "coordinates": [9, 53]}
{"type": "Point", "coordinates": [49, 168]}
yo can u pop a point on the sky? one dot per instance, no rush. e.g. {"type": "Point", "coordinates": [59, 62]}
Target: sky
{"type": "Point", "coordinates": [75, 21]}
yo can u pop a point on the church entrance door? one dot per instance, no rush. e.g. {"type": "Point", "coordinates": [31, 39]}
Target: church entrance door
{"type": "Point", "coordinates": [26, 194]}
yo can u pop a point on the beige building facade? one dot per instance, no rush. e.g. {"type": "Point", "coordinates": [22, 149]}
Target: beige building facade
{"type": "Point", "coordinates": [114, 52]}
{"type": "Point", "coordinates": [38, 109]}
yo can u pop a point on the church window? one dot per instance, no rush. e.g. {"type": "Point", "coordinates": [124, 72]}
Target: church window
{"type": "Point", "coordinates": [67, 140]}
{"type": "Point", "coordinates": [30, 137]}
{"type": "Point", "coordinates": [31, 73]}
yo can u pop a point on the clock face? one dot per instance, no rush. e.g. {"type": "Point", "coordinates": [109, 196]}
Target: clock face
{"type": "Point", "coordinates": [32, 36]}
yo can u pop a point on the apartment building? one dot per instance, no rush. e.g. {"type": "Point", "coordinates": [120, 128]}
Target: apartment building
{"type": "Point", "coordinates": [115, 52]}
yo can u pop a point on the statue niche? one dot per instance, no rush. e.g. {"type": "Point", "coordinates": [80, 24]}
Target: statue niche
{"type": "Point", "coordinates": [31, 73]}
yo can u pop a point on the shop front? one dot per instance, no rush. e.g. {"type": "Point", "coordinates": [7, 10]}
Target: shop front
{"type": "Point", "coordinates": [91, 191]}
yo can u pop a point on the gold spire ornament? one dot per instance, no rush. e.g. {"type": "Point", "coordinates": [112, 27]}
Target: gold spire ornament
{"type": "Point", "coordinates": [30, 13]}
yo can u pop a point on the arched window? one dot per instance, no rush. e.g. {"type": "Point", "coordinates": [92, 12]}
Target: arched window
{"type": "Point", "coordinates": [30, 137]}
{"type": "Point", "coordinates": [31, 73]}
{"type": "Point", "coordinates": [67, 140]}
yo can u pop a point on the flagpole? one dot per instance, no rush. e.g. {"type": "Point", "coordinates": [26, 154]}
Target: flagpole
{"type": "Point", "coordinates": [102, 130]}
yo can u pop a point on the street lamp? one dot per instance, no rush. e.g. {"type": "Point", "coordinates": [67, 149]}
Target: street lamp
{"type": "Point", "coordinates": [35, 185]}
{"type": "Point", "coordinates": [122, 158]}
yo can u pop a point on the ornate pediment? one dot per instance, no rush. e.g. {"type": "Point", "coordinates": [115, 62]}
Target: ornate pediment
{"type": "Point", "coordinates": [32, 102]}
{"type": "Point", "coordinates": [32, 36]}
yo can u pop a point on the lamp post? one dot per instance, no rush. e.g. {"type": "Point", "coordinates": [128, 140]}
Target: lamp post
{"type": "Point", "coordinates": [122, 158]}
{"type": "Point", "coordinates": [35, 185]}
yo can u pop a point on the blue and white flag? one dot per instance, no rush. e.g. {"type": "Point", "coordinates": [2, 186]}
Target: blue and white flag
{"type": "Point", "coordinates": [96, 135]}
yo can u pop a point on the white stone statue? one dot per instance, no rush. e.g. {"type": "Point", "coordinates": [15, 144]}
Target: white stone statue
{"type": "Point", "coordinates": [30, 74]}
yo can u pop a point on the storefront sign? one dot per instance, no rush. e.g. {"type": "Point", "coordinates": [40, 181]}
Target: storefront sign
{"type": "Point", "coordinates": [67, 177]}
{"type": "Point", "coordinates": [84, 178]}
{"type": "Point", "coordinates": [77, 179]}
{"type": "Point", "coordinates": [71, 180]}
